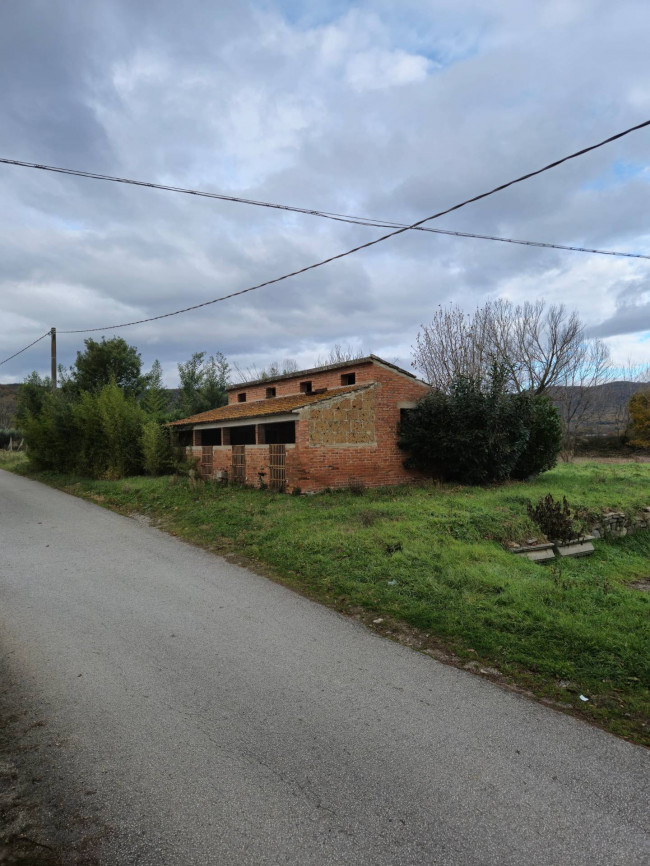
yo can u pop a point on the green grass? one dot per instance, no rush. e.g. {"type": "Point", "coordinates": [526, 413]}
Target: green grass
{"type": "Point", "coordinates": [435, 558]}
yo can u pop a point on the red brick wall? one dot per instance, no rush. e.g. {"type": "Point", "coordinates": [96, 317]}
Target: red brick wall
{"type": "Point", "coordinates": [328, 379]}
{"type": "Point", "coordinates": [257, 460]}
{"type": "Point", "coordinates": [315, 467]}
{"type": "Point", "coordinates": [373, 465]}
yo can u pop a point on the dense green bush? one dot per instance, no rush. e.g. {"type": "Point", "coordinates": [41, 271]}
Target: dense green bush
{"type": "Point", "coordinates": [52, 433]}
{"type": "Point", "coordinates": [98, 435]}
{"type": "Point", "coordinates": [476, 435]}
{"type": "Point", "coordinates": [158, 453]}
{"type": "Point", "coordinates": [106, 420]}
{"type": "Point", "coordinates": [544, 436]}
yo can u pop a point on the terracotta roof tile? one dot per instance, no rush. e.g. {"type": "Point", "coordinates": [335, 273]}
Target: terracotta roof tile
{"type": "Point", "coordinates": [271, 406]}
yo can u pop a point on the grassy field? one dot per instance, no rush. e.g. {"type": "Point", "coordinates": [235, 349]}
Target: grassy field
{"type": "Point", "coordinates": [432, 564]}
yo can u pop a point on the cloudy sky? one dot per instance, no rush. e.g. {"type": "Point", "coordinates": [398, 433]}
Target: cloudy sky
{"type": "Point", "coordinates": [382, 109]}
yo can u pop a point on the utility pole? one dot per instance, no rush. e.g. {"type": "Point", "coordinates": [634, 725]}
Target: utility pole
{"type": "Point", "coordinates": [53, 336]}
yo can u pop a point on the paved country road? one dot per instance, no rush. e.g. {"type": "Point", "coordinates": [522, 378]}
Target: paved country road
{"type": "Point", "coordinates": [211, 716]}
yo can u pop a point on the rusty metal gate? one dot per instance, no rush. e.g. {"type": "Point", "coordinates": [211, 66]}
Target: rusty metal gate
{"type": "Point", "coordinates": [239, 464]}
{"type": "Point", "coordinates": [206, 461]}
{"type": "Point", "coordinates": [277, 467]}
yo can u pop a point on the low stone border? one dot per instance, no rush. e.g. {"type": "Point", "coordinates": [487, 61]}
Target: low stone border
{"type": "Point", "coordinates": [615, 524]}
{"type": "Point", "coordinates": [536, 552]}
{"type": "Point", "coordinates": [575, 547]}
{"type": "Point", "coordinates": [550, 550]}
{"type": "Point", "coordinates": [612, 524]}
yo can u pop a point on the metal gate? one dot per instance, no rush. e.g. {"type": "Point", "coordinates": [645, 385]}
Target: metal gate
{"type": "Point", "coordinates": [206, 461]}
{"type": "Point", "coordinates": [239, 464]}
{"type": "Point", "coordinates": [277, 467]}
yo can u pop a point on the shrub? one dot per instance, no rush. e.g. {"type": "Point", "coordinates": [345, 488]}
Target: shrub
{"type": "Point", "coordinates": [92, 434]}
{"type": "Point", "coordinates": [553, 518]}
{"type": "Point", "coordinates": [476, 434]}
{"type": "Point", "coordinates": [157, 453]}
{"type": "Point", "coordinates": [52, 435]}
{"type": "Point", "coordinates": [639, 431]}
{"type": "Point", "coordinates": [544, 437]}
{"type": "Point", "coordinates": [469, 435]}
{"type": "Point", "coordinates": [121, 421]}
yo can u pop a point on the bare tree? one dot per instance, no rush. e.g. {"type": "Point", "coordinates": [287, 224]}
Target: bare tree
{"type": "Point", "coordinates": [537, 346]}
{"type": "Point", "coordinates": [339, 354]}
{"type": "Point", "coordinates": [579, 395]}
{"type": "Point", "coordinates": [252, 373]}
{"type": "Point", "coordinates": [453, 344]}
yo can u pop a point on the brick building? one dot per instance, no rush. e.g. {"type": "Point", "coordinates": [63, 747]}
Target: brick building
{"type": "Point", "coordinates": [327, 427]}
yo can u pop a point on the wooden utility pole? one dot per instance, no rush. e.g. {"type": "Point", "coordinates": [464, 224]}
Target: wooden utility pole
{"type": "Point", "coordinates": [53, 336]}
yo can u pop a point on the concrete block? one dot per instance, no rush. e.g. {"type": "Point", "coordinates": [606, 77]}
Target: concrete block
{"type": "Point", "coordinates": [531, 548]}
{"type": "Point", "coordinates": [574, 548]}
{"type": "Point", "coordinates": [540, 556]}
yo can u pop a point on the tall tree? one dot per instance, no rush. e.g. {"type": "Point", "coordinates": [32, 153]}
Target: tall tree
{"type": "Point", "coordinates": [215, 382]}
{"type": "Point", "coordinates": [155, 399]}
{"type": "Point", "coordinates": [105, 362]}
{"type": "Point", "coordinates": [31, 396]}
{"type": "Point", "coordinates": [577, 395]}
{"type": "Point", "coordinates": [203, 382]}
{"type": "Point", "coordinates": [537, 346]}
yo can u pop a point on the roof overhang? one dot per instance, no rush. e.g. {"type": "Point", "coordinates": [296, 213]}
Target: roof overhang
{"type": "Point", "coordinates": [246, 422]}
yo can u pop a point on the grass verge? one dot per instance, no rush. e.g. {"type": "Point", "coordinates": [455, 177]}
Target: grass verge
{"type": "Point", "coordinates": [428, 566]}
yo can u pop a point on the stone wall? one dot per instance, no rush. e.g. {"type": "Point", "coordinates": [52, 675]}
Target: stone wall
{"type": "Point", "coordinates": [615, 524]}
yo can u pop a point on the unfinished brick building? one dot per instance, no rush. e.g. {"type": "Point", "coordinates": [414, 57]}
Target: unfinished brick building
{"type": "Point", "coordinates": [330, 426]}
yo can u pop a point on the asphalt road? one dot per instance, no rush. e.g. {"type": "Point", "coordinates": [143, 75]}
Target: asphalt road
{"type": "Point", "coordinates": [214, 717]}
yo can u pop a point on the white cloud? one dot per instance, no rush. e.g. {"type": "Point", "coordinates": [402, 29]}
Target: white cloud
{"type": "Point", "coordinates": [385, 110]}
{"type": "Point", "coordinates": [630, 349]}
{"type": "Point", "coordinates": [376, 70]}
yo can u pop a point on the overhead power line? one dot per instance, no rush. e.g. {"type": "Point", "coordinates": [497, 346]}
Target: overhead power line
{"type": "Point", "coordinates": [15, 354]}
{"type": "Point", "coordinates": [543, 244]}
{"type": "Point", "coordinates": [399, 230]}
{"type": "Point", "coordinates": [330, 215]}
{"type": "Point", "coordinates": [371, 243]}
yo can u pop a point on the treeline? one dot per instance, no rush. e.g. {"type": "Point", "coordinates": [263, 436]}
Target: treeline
{"type": "Point", "coordinates": [107, 419]}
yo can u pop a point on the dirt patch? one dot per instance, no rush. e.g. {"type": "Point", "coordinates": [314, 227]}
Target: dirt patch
{"type": "Point", "coordinates": [643, 585]}
{"type": "Point", "coordinates": [141, 519]}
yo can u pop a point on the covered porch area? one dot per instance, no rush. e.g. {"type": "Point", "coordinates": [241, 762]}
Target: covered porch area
{"type": "Point", "coordinates": [241, 452]}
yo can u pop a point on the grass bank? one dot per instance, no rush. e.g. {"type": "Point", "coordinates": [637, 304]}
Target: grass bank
{"type": "Point", "coordinates": [431, 564]}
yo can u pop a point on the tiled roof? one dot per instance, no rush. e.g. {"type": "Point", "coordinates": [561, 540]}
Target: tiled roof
{"type": "Point", "coordinates": [271, 406]}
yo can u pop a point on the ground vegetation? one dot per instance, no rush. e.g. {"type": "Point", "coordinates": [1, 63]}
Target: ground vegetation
{"type": "Point", "coordinates": [431, 565]}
